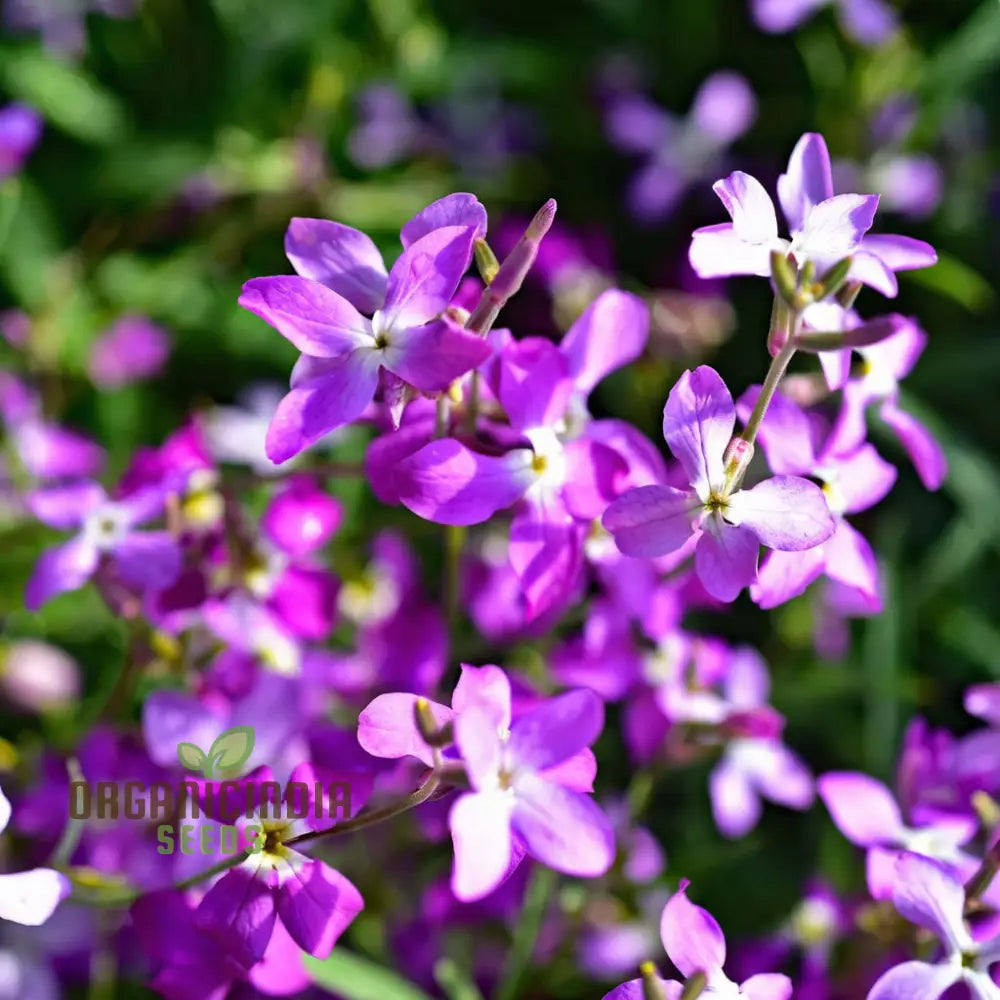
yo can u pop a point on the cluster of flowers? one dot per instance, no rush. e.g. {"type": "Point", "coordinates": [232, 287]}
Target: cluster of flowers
{"type": "Point", "coordinates": [237, 617]}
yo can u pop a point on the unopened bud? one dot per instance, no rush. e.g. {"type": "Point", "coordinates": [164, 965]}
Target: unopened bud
{"type": "Point", "coordinates": [694, 986]}
{"type": "Point", "coordinates": [652, 985]}
{"type": "Point", "coordinates": [848, 293]}
{"type": "Point", "coordinates": [433, 734]}
{"type": "Point", "coordinates": [833, 280]}
{"type": "Point", "coordinates": [781, 326]}
{"type": "Point", "coordinates": [737, 458]}
{"type": "Point", "coordinates": [486, 261]}
{"type": "Point", "coordinates": [987, 809]}
{"type": "Point", "coordinates": [785, 278]}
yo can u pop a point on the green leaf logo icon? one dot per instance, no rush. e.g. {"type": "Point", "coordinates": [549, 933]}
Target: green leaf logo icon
{"type": "Point", "coordinates": [230, 749]}
{"type": "Point", "coordinates": [191, 756]}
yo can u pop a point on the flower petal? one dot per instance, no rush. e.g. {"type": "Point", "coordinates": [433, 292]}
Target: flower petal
{"type": "Point", "coordinates": [342, 258]}
{"type": "Point", "coordinates": [914, 981]}
{"type": "Point", "coordinates": [833, 229]}
{"type": "Point", "coordinates": [458, 209]}
{"type": "Point", "coordinates": [926, 454]}
{"type": "Point", "coordinates": [148, 559]}
{"type": "Point", "coordinates": [749, 206]}
{"type": "Point", "coordinates": [489, 688]}
{"type": "Point", "coordinates": [387, 727]}
{"type": "Point", "coordinates": [65, 507]}
{"type": "Point", "coordinates": [808, 181]}
{"type": "Point", "coordinates": [611, 332]}
{"type": "Point", "coordinates": [652, 521]}
{"type": "Point", "coordinates": [784, 575]}
{"type": "Point", "coordinates": [698, 421]}
{"type": "Point", "coordinates": [863, 809]}
{"type": "Point", "coordinates": [546, 554]}
{"type": "Point", "coordinates": [736, 806]}
{"type": "Point", "coordinates": [239, 912]}
{"type": "Point", "coordinates": [900, 253]}
{"type": "Point", "coordinates": [725, 560]}
{"type": "Point", "coordinates": [534, 383]}
{"type": "Point", "coordinates": [850, 560]}
{"type": "Point", "coordinates": [563, 829]}
{"type": "Point", "coordinates": [692, 936]}
{"type": "Point", "coordinates": [595, 475]}
{"type": "Point", "coordinates": [480, 832]}
{"type": "Point", "coordinates": [449, 483]}
{"type": "Point", "coordinates": [926, 895]}
{"type": "Point", "coordinates": [322, 403]}
{"type": "Point", "coordinates": [724, 107]}
{"type": "Point", "coordinates": [767, 986]}
{"type": "Point", "coordinates": [316, 904]}
{"type": "Point", "coordinates": [31, 897]}
{"type": "Point", "coordinates": [317, 321]}
{"type": "Point", "coordinates": [59, 569]}
{"type": "Point", "coordinates": [719, 252]}
{"type": "Point", "coordinates": [784, 512]}
{"type": "Point", "coordinates": [432, 356]}
{"type": "Point", "coordinates": [556, 729]}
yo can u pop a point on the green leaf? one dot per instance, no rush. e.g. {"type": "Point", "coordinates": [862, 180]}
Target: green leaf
{"type": "Point", "coordinates": [64, 94]}
{"type": "Point", "coordinates": [232, 747]}
{"type": "Point", "coordinates": [355, 977]}
{"type": "Point", "coordinates": [191, 756]}
{"type": "Point", "coordinates": [957, 281]}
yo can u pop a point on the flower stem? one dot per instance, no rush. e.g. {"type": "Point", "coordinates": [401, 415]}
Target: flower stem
{"type": "Point", "coordinates": [779, 365]}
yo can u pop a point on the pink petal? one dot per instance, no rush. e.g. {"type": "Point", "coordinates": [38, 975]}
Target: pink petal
{"type": "Point", "coordinates": [914, 981]}
{"type": "Point", "coordinates": [316, 905]}
{"type": "Point", "coordinates": [65, 507]}
{"type": "Point", "coordinates": [449, 483]}
{"type": "Point", "coordinates": [749, 206]}
{"type": "Point", "coordinates": [726, 560]}
{"type": "Point", "coordinates": [149, 559]}
{"type": "Point", "coordinates": [610, 333]}
{"type": "Point", "coordinates": [556, 729]}
{"type": "Point", "coordinates": [724, 107]}
{"type": "Point", "coordinates": [767, 986]}
{"type": "Point", "coordinates": [595, 475]}
{"type": "Point", "coordinates": [651, 521]}
{"type": "Point", "coordinates": [784, 512]}
{"type": "Point", "coordinates": [736, 806]}
{"type": "Point", "coordinates": [784, 575]}
{"type": "Point", "coordinates": [387, 727]}
{"type": "Point", "coordinates": [321, 404]}
{"type": "Point", "coordinates": [719, 251]}
{"type": "Point", "coordinates": [480, 832]}
{"type": "Point", "coordinates": [239, 912]}
{"type": "Point", "coordinates": [862, 478]}
{"type": "Point", "coordinates": [926, 454]}
{"type": "Point", "coordinates": [926, 895]}
{"type": "Point", "coordinates": [786, 433]}
{"type": "Point", "coordinates": [489, 688]}
{"type": "Point", "coordinates": [563, 829]}
{"type": "Point", "coordinates": [698, 422]}
{"type": "Point", "coordinates": [863, 809]}
{"type": "Point", "coordinates": [317, 321]}
{"type": "Point", "coordinates": [900, 253]}
{"type": "Point", "coordinates": [850, 560]}
{"type": "Point", "coordinates": [342, 258]}
{"type": "Point", "coordinates": [546, 554]}
{"type": "Point", "coordinates": [432, 356]}
{"type": "Point", "coordinates": [692, 936]}
{"type": "Point", "coordinates": [534, 383]}
{"type": "Point", "coordinates": [808, 181]}
{"type": "Point", "coordinates": [478, 741]}
{"type": "Point", "coordinates": [60, 569]}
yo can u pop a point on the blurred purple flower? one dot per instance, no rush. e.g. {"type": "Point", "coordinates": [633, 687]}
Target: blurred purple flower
{"type": "Point", "coordinates": [131, 350]}
{"type": "Point", "coordinates": [20, 130]}
{"type": "Point", "coordinates": [868, 22]}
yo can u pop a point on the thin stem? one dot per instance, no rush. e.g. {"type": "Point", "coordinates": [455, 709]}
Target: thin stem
{"type": "Point", "coordinates": [779, 365]}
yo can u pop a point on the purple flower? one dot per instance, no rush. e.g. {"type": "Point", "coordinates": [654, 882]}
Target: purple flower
{"type": "Point", "coordinates": [150, 560]}
{"type": "Point", "coordinates": [313, 901]}
{"type": "Point", "coordinates": [324, 311]}
{"type": "Point", "coordinates": [867, 815]}
{"type": "Point", "coordinates": [20, 130]}
{"type": "Point", "coordinates": [694, 942]}
{"type": "Point", "coordinates": [825, 228]}
{"type": "Point", "coordinates": [61, 23]}
{"type": "Point", "coordinates": [512, 797]}
{"type": "Point", "coordinates": [678, 152]}
{"type": "Point", "coordinates": [869, 22]}
{"type": "Point", "coordinates": [785, 512]}
{"type": "Point", "coordinates": [29, 897]}
{"type": "Point", "coordinates": [929, 897]}
{"type": "Point", "coordinates": [132, 349]}
{"type": "Point", "coordinates": [853, 480]}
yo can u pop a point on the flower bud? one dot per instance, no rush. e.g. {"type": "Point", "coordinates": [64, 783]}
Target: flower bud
{"type": "Point", "coordinates": [785, 278]}
{"type": "Point", "coordinates": [486, 261]}
{"type": "Point", "coordinates": [427, 726]}
{"type": "Point", "coordinates": [831, 282]}
{"type": "Point", "coordinates": [694, 986]}
{"type": "Point", "coordinates": [651, 983]}
{"type": "Point", "coordinates": [738, 456]}
{"type": "Point", "coordinates": [38, 677]}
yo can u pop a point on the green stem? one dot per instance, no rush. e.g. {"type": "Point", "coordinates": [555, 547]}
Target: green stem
{"type": "Point", "coordinates": [775, 373]}
{"type": "Point", "coordinates": [540, 888]}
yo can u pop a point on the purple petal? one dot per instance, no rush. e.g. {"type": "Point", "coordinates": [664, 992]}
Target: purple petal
{"type": "Point", "coordinates": [610, 333]}
{"type": "Point", "coordinates": [870, 22]}
{"type": "Point", "coordinates": [316, 905]}
{"type": "Point", "coordinates": [750, 208]}
{"type": "Point", "coordinates": [719, 252]}
{"type": "Point", "coordinates": [239, 912]}
{"type": "Point", "coordinates": [784, 575]}
{"type": "Point", "coordinates": [317, 321]}
{"type": "Point", "coordinates": [871, 271]}
{"type": "Point", "coordinates": [480, 832]}
{"type": "Point", "coordinates": [148, 559]}
{"type": "Point", "coordinates": [636, 125]}
{"type": "Point", "coordinates": [780, 776]}
{"type": "Point", "coordinates": [652, 521]}
{"type": "Point", "coordinates": [655, 190]}
{"type": "Point", "coordinates": [726, 560]}
{"type": "Point", "coordinates": [747, 683]}
{"type": "Point", "coordinates": [595, 475]}
{"type": "Point", "coordinates": [861, 479]}
{"type": "Point", "coordinates": [59, 569]}
{"type": "Point", "coordinates": [173, 717]}
{"type": "Point", "coordinates": [478, 740]}
{"type": "Point", "coordinates": [691, 936]}
{"type": "Point", "coordinates": [487, 687]}
{"type": "Point", "coordinates": [322, 403]}
{"type": "Point", "coordinates": [576, 772]}
{"type": "Point", "coordinates": [534, 384]}
{"type": "Point", "coordinates": [900, 253]}
{"type": "Point", "coordinates": [833, 228]}
{"type": "Point", "coordinates": [863, 809]}
{"type": "Point", "coordinates": [767, 986]}
{"type": "Point", "coordinates": [424, 278]}
{"type": "Point", "coordinates": [698, 421]}
{"type": "Point", "coordinates": [388, 728]}
{"type": "Point", "coordinates": [557, 729]}
{"type": "Point", "coordinates": [926, 454]}
{"type": "Point", "coordinates": [851, 561]}
{"type": "Point", "coordinates": [449, 483]}
{"type": "Point", "coordinates": [31, 897]}
{"type": "Point", "coordinates": [724, 107]}
{"type": "Point", "coordinates": [432, 356]}
{"type": "Point", "coordinates": [633, 990]}
{"type": "Point", "coordinates": [65, 507]}
{"type": "Point", "coordinates": [343, 259]}
{"type": "Point", "coordinates": [777, 16]}
{"type": "Point", "coordinates": [981, 700]}
{"type": "Point", "coordinates": [736, 806]}
{"type": "Point", "coordinates": [459, 209]}
{"type": "Point", "coordinates": [546, 554]}
{"type": "Point", "coordinates": [784, 512]}
{"type": "Point", "coordinates": [301, 518]}
{"type": "Point", "coordinates": [563, 829]}
{"type": "Point", "coordinates": [926, 895]}
{"type": "Point", "coordinates": [50, 452]}
{"type": "Point", "coordinates": [914, 981]}
{"type": "Point", "coordinates": [808, 180]}
{"type": "Point", "coordinates": [786, 433]}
